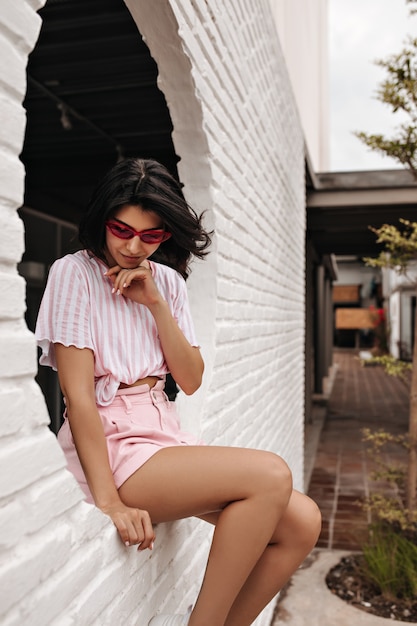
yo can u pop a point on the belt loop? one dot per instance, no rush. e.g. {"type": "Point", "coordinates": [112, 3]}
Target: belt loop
{"type": "Point", "coordinates": [127, 403]}
{"type": "Point", "coordinates": [158, 396]}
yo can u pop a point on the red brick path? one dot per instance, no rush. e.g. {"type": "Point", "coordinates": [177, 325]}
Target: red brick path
{"type": "Point", "coordinates": [361, 397]}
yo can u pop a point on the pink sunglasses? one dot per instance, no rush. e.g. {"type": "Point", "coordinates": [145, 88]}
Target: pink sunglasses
{"type": "Point", "coordinates": [122, 231]}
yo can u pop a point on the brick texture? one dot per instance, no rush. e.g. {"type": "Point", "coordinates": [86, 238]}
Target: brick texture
{"type": "Point", "coordinates": [242, 158]}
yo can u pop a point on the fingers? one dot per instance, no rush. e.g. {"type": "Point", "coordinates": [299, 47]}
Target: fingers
{"type": "Point", "coordinates": [123, 278]}
{"type": "Point", "coordinates": [137, 530]}
{"type": "Point", "coordinates": [149, 533]}
{"type": "Point", "coordinates": [113, 270]}
{"type": "Point", "coordinates": [134, 527]}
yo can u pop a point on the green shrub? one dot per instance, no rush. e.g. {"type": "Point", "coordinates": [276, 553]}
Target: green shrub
{"type": "Point", "coordinates": [390, 562]}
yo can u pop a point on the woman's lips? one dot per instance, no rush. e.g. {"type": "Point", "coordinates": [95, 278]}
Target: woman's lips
{"type": "Point", "coordinates": [131, 259]}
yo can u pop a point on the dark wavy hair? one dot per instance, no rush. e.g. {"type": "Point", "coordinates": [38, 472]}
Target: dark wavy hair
{"type": "Point", "coordinates": [148, 185]}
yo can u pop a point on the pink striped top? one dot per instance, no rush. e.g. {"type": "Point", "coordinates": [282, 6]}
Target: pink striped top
{"type": "Point", "coordinates": [79, 309]}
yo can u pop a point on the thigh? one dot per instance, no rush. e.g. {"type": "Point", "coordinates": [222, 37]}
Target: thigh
{"type": "Point", "coordinates": [185, 481]}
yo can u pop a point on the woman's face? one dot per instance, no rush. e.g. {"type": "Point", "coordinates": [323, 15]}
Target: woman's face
{"type": "Point", "coordinates": [130, 253]}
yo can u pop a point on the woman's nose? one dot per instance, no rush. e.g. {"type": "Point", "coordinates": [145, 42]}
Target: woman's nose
{"type": "Point", "coordinates": [134, 244]}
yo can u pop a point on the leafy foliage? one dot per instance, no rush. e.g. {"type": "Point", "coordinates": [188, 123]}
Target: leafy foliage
{"type": "Point", "coordinates": [390, 555]}
{"type": "Point", "coordinates": [400, 245]}
{"type": "Point", "coordinates": [391, 562]}
{"type": "Point", "coordinates": [399, 91]}
{"type": "Point", "coordinates": [392, 366]}
{"type": "Point", "coordinates": [413, 7]}
{"type": "Point", "coordinates": [388, 508]}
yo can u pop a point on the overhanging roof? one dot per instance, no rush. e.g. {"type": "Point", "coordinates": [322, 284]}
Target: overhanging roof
{"type": "Point", "coordinates": [341, 206]}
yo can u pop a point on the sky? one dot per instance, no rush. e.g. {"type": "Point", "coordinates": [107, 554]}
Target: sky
{"type": "Point", "coordinates": [361, 31]}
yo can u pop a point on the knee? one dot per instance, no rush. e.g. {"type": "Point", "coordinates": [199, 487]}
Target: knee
{"type": "Point", "coordinates": [277, 477]}
{"type": "Point", "coordinates": [311, 520]}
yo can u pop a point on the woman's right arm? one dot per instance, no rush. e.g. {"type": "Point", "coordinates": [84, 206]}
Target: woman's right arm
{"type": "Point", "coordinates": [76, 377]}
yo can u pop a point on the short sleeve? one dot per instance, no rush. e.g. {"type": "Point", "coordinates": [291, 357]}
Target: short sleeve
{"type": "Point", "coordinates": [182, 313]}
{"type": "Point", "coordinates": [64, 314]}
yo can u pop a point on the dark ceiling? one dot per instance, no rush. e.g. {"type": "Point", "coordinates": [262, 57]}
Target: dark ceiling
{"type": "Point", "coordinates": [91, 96]}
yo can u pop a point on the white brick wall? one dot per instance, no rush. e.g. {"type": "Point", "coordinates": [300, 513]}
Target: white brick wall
{"type": "Point", "coordinates": [241, 150]}
{"type": "Point", "coordinates": [255, 154]}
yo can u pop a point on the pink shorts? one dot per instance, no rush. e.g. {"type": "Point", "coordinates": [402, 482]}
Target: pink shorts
{"type": "Point", "coordinates": [139, 422]}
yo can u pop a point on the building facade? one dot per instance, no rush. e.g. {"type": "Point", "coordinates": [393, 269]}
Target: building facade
{"type": "Point", "coordinates": [237, 132]}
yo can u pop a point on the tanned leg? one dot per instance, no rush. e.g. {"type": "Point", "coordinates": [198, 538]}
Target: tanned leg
{"type": "Point", "coordinates": [294, 538]}
{"type": "Point", "coordinates": [250, 489]}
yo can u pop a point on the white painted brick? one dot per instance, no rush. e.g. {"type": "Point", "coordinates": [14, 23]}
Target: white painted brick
{"type": "Point", "coordinates": [12, 523]}
{"type": "Point", "coordinates": [12, 307]}
{"type": "Point", "coordinates": [30, 563]}
{"type": "Point", "coordinates": [35, 5]}
{"type": "Point", "coordinates": [11, 226]}
{"type": "Point", "coordinates": [13, 75]}
{"type": "Point", "coordinates": [13, 131]}
{"type": "Point", "coordinates": [12, 409]}
{"type": "Point", "coordinates": [23, 25]}
{"type": "Point", "coordinates": [26, 460]}
{"type": "Point", "coordinates": [89, 523]}
{"type": "Point", "coordinates": [95, 599]}
{"type": "Point", "coordinates": [37, 412]}
{"type": "Point", "coordinates": [49, 498]}
{"type": "Point", "coordinates": [48, 601]}
{"type": "Point", "coordinates": [18, 356]}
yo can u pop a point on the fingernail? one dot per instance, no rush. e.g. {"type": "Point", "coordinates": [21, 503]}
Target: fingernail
{"type": "Point", "coordinates": [113, 290]}
{"type": "Point", "coordinates": [151, 546]}
{"type": "Point", "coordinates": [118, 292]}
{"type": "Point", "coordinates": [127, 544]}
{"type": "Point", "coordinates": [124, 285]}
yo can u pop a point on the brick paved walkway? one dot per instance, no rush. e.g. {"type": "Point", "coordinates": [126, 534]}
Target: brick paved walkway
{"type": "Point", "coordinates": [361, 397]}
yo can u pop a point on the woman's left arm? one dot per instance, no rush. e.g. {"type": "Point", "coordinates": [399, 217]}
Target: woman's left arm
{"type": "Point", "coordinates": [184, 360]}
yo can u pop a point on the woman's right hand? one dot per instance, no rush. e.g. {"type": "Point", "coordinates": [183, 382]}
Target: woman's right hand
{"type": "Point", "coordinates": [76, 376]}
{"type": "Point", "coordinates": [133, 525]}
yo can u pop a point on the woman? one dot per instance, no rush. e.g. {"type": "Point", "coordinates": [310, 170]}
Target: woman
{"type": "Point", "coordinates": [114, 322]}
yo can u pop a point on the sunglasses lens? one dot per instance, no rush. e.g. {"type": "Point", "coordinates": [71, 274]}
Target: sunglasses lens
{"type": "Point", "coordinates": [120, 231]}
{"type": "Point", "coordinates": [147, 236]}
{"type": "Point", "coordinates": [152, 237]}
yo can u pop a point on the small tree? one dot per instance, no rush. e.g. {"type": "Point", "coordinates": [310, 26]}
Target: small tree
{"type": "Point", "coordinates": [414, 7]}
{"type": "Point", "coordinates": [399, 91]}
{"type": "Point", "coordinates": [400, 249]}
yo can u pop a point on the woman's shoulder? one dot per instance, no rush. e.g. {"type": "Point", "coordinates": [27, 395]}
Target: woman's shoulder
{"type": "Point", "coordinates": [76, 261]}
{"type": "Point", "coordinates": [170, 282]}
{"type": "Point", "coordinates": [165, 273]}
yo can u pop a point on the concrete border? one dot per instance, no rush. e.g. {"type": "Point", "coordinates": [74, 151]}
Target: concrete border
{"type": "Point", "coordinates": [309, 602]}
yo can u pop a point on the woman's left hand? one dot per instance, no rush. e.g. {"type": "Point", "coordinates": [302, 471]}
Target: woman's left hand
{"type": "Point", "coordinates": [136, 284]}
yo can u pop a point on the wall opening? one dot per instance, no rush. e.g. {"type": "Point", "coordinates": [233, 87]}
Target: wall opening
{"type": "Point", "coordinates": [92, 98]}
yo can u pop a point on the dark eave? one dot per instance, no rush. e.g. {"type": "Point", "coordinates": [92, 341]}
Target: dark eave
{"type": "Point", "coordinates": [342, 206]}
